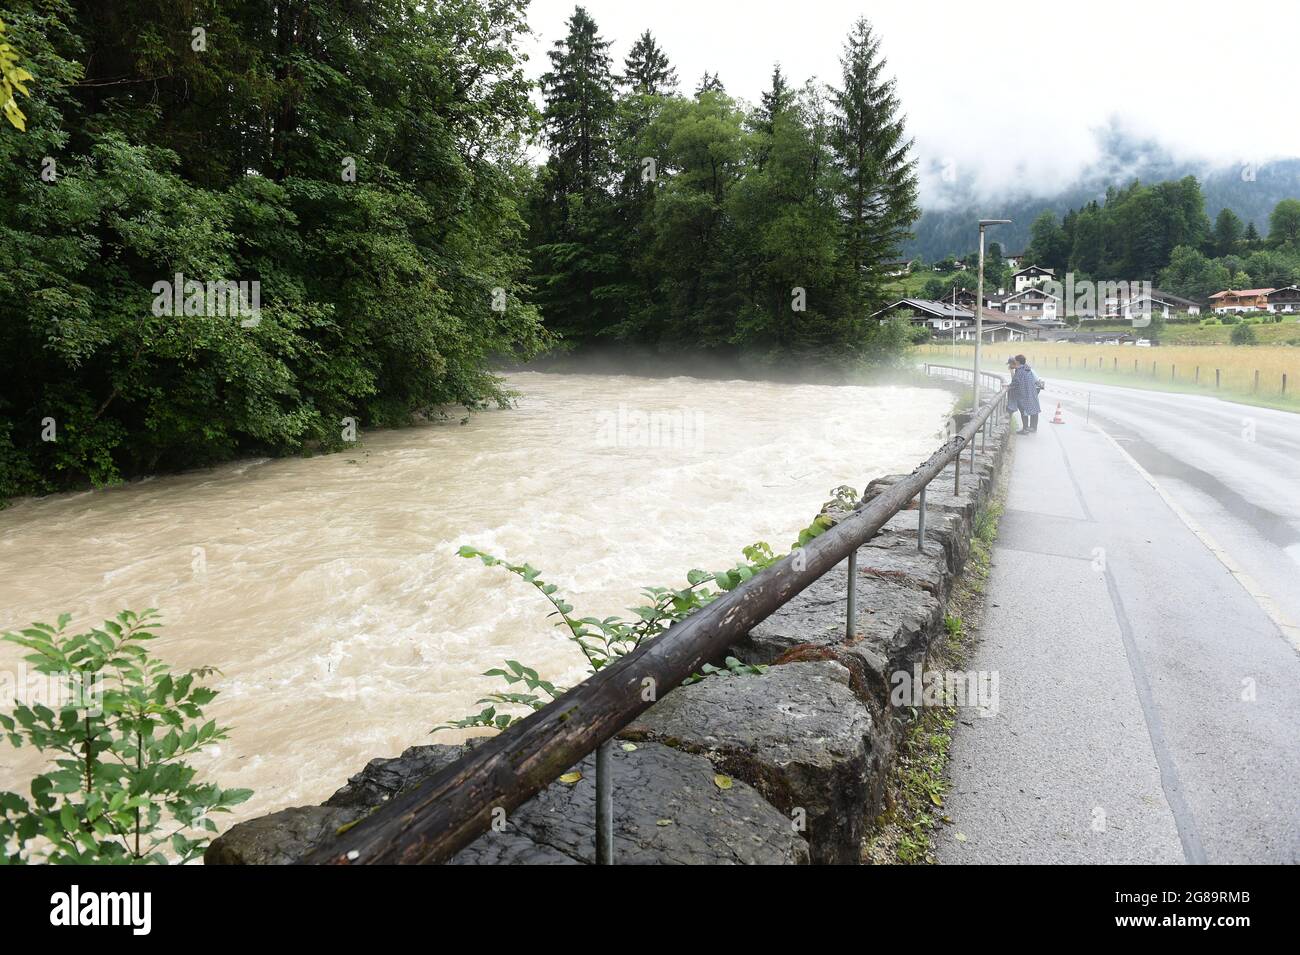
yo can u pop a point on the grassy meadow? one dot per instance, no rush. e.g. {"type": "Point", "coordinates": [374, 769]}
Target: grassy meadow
{"type": "Point", "coordinates": [1179, 368]}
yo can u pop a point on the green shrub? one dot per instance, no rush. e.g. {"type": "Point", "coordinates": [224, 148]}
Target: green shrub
{"type": "Point", "coordinates": [1244, 335]}
{"type": "Point", "coordinates": [120, 729]}
{"type": "Point", "coordinates": [1231, 319]}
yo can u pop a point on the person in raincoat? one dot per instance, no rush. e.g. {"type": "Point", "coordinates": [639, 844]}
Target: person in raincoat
{"type": "Point", "coordinates": [1011, 395]}
{"type": "Point", "coordinates": [1024, 392]}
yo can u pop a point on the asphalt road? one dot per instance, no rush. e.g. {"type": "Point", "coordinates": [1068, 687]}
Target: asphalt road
{"type": "Point", "coordinates": [1141, 621]}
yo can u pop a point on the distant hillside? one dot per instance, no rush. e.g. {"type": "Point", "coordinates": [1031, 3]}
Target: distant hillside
{"type": "Point", "coordinates": [952, 231]}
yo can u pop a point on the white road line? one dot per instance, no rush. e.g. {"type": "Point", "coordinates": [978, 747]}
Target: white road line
{"type": "Point", "coordinates": [1266, 603]}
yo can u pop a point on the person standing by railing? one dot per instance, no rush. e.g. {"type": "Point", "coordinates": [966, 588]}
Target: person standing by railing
{"type": "Point", "coordinates": [1024, 394]}
{"type": "Point", "coordinates": [1012, 407]}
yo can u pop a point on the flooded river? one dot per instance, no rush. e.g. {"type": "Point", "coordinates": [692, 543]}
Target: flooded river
{"type": "Point", "coordinates": [328, 591]}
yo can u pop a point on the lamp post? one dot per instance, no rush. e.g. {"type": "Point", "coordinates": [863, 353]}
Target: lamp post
{"type": "Point", "coordinates": [979, 306]}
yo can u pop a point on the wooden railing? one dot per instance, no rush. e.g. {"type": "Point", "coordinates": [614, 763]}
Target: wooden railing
{"type": "Point", "coordinates": [447, 811]}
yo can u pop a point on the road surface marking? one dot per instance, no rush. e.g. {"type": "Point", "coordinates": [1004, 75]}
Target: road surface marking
{"type": "Point", "coordinates": [1266, 603]}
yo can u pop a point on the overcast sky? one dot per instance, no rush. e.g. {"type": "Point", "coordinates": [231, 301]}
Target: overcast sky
{"type": "Point", "coordinates": [1007, 95]}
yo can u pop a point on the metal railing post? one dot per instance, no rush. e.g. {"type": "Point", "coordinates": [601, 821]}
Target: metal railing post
{"type": "Point", "coordinates": [851, 615]}
{"type": "Point", "coordinates": [920, 523]}
{"type": "Point", "coordinates": [604, 804]}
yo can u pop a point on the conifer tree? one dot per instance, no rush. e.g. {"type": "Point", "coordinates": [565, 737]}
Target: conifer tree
{"type": "Point", "coordinates": [872, 151]}
{"type": "Point", "coordinates": [774, 100]}
{"type": "Point", "coordinates": [646, 69]}
{"type": "Point", "coordinates": [573, 215]}
{"type": "Point", "coordinates": [709, 83]}
{"type": "Point", "coordinates": [579, 92]}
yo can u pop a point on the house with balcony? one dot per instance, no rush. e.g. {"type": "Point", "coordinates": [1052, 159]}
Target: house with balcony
{"type": "Point", "coordinates": [937, 316]}
{"type": "Point", "coordinates": [1032, 304]}
{"type": "Point", "coordinates": [1240, 300]}
{"type": "Point", "coordinates": [1156, 303]}
{"type": "Point", "coordinates": [1282, 300]}
{"type": "Point", "coordinates": [1031, 275]}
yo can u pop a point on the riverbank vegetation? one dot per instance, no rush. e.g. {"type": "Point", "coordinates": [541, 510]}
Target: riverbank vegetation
{"type": "Point", "coordinates": [603, 641]}
{"type": "Point", "coordinates": [355, 169]}
{"type": "Point", "coordinates": [257, 229]}
{"type": "Point", "coordinates": [121, 730]}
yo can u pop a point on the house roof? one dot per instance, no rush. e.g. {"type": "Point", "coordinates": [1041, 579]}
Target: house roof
{"type": "Point", "coordinates": [1171, 298]}
{"type": "Point", "coordinates": [1035, 290]}
{"type": "Point", "coordinates": [1285, 288]}
{"type": "Point", "coordinates": [1158, 296]}
{"type": "Point", "coordinates": [1033, 268]}
{"type": "Point", "coordinates": [929, 307]}
{"type": "Point", "coordinates": [1237, 293]}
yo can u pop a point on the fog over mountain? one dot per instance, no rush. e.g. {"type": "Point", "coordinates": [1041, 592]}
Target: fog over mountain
{"type": "Point", "coordinates": [951, 203]}
{"type": "Point", "coordinates": [1012, 108]}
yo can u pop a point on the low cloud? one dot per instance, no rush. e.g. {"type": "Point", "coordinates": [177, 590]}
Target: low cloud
{"type": "Point", "coordinates": [1006, 100]}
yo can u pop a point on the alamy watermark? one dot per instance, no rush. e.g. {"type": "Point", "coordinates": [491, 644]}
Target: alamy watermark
{"type": "Point", "coordinates": [634, 428]}
{"type": "Point", "coordinates": [964, 688]}
{"type": "Point", "coordinates": [55, 691]}
{"type": "Point", "coordinates": [222, 298]}
{"type": "Point", "coordinates": [1085, 298]}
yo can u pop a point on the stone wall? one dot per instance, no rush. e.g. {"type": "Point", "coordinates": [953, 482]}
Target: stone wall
{"type": "Point", "coordinates": [784, 768]}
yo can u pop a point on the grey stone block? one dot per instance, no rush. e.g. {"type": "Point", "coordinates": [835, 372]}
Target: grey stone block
{"type": "Point", "coordinates": [667, 810]}
{"type": "Point", "coordinates": [797, 734]}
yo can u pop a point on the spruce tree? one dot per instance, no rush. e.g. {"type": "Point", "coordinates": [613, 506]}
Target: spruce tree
{"type": "Point", "coordinates": [579, 92]}
{"type": "Point", "coordinates": [775, 100]}
{"type": "Point", "coordinates": [878, 189]}
{"type": "Point", "coordinates": [573, 215]}
{"type": "Point", "coordinates": [1227, 232]}
{"type": "Point", "coordinates": [709, 83]}
{"type": "Point", "coordinates": [646, 69]}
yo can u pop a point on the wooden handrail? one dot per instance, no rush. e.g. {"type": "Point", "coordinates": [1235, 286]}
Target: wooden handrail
{"type": "Point", "coordinates": [447, 811]}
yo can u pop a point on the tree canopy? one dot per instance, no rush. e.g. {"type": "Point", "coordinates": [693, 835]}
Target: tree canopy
{"type": "Point", "coordinates": [358, 162]}
{"type": "Point", "coordinates": [700, 222]}
{"type": "Point", "coordinates": [254, 228]}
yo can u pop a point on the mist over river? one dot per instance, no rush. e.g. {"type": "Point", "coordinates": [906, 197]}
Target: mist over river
{"type": "Point", "coordinates": [328, 591]}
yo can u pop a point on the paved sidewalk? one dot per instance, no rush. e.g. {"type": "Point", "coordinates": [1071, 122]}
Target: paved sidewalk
{"type": "Point", "coordinates": [1149, 708]}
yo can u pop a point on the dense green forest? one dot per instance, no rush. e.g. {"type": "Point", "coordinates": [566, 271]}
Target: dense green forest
{"type": "Point", "coordinates": [1161, 233]}
{"type": "Point", "coordinates": [254, 227]}
{"type": "Point", "coordinates": [1158, 233]}
{"type": "Point", "coordinates": [358, 160]}
{"type": "Point", "coordinates": [694, 221]}
{"type": "Point", "coordinates": [1249, 190]}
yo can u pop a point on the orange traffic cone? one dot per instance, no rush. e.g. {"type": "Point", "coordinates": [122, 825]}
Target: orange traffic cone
{"type": "Point", "coordinates": [1057, 419]}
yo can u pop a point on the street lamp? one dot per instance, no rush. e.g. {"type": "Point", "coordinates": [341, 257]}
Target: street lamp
{"type": "Point", "coordinates": [979, 306]}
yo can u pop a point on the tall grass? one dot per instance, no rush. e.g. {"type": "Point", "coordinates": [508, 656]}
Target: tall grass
{"type": "Point", "coordinates": [1224, 370]}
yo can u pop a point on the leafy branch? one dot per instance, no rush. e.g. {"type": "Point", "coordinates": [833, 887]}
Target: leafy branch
{"type": "Point", "coordinates": [12, 78]}
{"type": "Point", "coordinates": [602, 641]}
{"type": "Point", "coordinates": [120, 728]}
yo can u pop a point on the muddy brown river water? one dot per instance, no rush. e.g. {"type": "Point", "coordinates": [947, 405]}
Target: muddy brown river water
{"type": "Point", "coordinates": [328, 591]}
